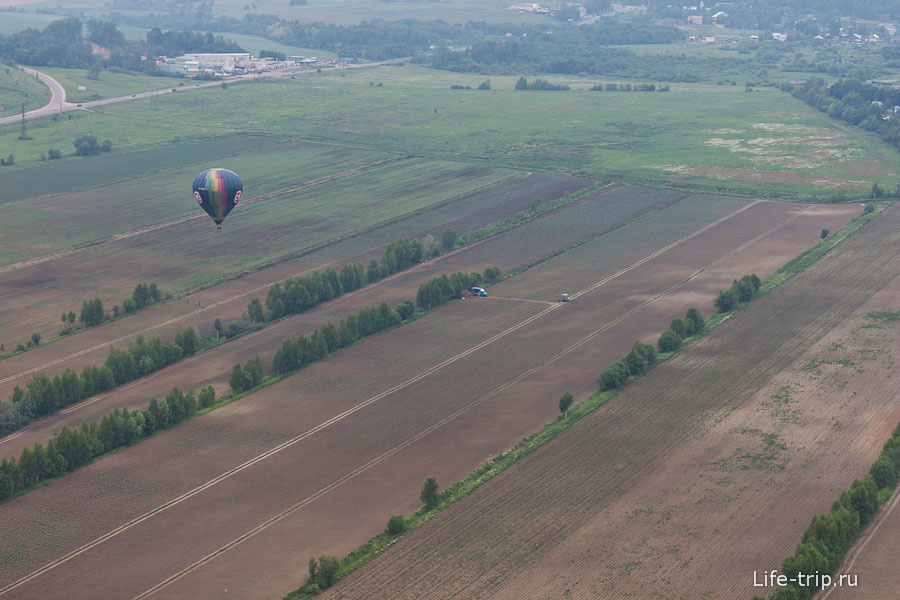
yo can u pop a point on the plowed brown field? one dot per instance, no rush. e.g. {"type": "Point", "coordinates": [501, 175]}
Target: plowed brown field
{"type": "Point", "coordinates": [237, 500]}
{"type": "Point", "coordinates": [694, 476]}
{"type": "Point", "coordinates": [229, 300]}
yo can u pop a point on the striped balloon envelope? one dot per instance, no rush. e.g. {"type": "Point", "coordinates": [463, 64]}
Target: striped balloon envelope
{"type": "Point", "coordinates": [217, 191]}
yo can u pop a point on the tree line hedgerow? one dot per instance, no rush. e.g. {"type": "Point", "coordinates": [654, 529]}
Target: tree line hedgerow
{"type": "Point", "coordinates": [301, 350]}
{"type": "Point", "coordinates": [642, 356]}
{"type": "Point", "coordinates": [43, 396]}
{"type": "Point", "coordinates": [298, 294]}
{"type": "Point", "coordinates": [829, 537]}
{"type": "Point", "coordinates": [92, 312]}
{"type": "Point", "coordinates": [741, 291]}
{"type": "Point", "coordinates": [70, 449]}
{"type": "Point", "coordinates": [438, 290]}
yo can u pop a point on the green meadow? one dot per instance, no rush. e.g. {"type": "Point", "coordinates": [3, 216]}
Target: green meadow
{"type": "Point", "coordinates": [702, 136]}
{"type": "Point", "coordinates": [17, 87]}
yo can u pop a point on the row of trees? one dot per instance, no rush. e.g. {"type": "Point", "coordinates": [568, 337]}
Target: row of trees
{"type": "Point", "coordinates": [144, 294]}
{"type": "Point", "coordinates": [642, 357]}
{"type": "Point", "coordinates": [829, 537]}
{"type": "Point", "coordinates": [298, 294]}
{"type": "Point", "coordinates": [247, 377]}
{"type": "Point", "coordinates": [860, 104]}
{"type": "Point", "coordinates": [627, 87]}
{"type": "Point", "coordinates": [43, 395]}
{"type": "Point", "coordinates": [539, 84]}
{"type": "Point", "coordinates": [70, 449]}
{"type": "Point", "coordinates": [441, 289]}
{"type": "Point", "coordinates": [301, 350]}
{"type": "Point", "coordinates": [740, 291]}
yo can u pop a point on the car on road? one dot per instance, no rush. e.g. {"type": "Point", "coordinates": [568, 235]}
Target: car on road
{"type": "Point", "coordinates": [134, 95]}
{"type": "Point", "coordinates": [478, 291]}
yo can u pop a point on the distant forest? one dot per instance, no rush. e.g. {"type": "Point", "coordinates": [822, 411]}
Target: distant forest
{"type": "Point", "coordinates": [64, 43]}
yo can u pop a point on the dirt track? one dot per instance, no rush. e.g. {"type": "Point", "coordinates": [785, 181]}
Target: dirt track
{"type": "Point", "coordinates": [377, 455]}
{"type": "Point", "coordinates": [697, 474]}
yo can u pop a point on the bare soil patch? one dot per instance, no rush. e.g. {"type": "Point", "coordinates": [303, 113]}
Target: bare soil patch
{"type": "Point", "coordinates": [765, 176]}
{"type": "Point", "coordinates": [694, 476]}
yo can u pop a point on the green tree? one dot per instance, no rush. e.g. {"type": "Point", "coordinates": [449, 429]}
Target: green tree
{"type": "Point", "coordinates": [669, 341]}
{"type": "Point", "coordinates": [825, 233]}
{"type": "Point", "coordinates": [485, 85]}
{"type": "Point", "coordinates": [206, 397]}
{"type": "Point", "coordinates": [678, 326]}
{"type": "Point", "coordinates": [86, 145]}
{"type": "Point", "coordinates": [726, 301]}
{"type": "Point", "coordinates": [238, 381]}
{"type": "Point", "coordinates": [220, 330]}
{"type": "Point", "coordinates": [448, 239]}
{"type": "Point", "coordinates": [693, 322]}
{"type": "Point", "coordinates": [395, 525]}
{"type": "Point", "coordinates": [565, 401]}
{"type": "Point", "coordinates": [36, 338]}
{"type": "Point", "coordinates": [614, 375]}
{"type": "Point", "coordinates": [522, 83]}
{"type": "Point", "coordinates": [94, 71]}
{"type": "Point", "coordinates": [429, 493]}
{"type": "Point", "coordinates": [255, 311]}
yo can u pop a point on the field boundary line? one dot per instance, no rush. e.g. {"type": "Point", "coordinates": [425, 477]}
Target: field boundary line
{"type": "Point", "coordinates": [137, 520]}
{"type": "Point", "coordinates": [324, 490]}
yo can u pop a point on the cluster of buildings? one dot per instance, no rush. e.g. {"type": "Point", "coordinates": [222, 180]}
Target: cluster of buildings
{"type": "Point", "coordinates": [532, 7]}
{"type": "Point", "coordinates": [230, 63]}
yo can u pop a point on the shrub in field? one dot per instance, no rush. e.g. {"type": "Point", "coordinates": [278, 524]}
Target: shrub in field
{"type": "Point", "coordinates": [206, 397]}
{"type": "Point", "coordinates": [741, 290]}
{"type": "Point", "coordinates": [669, 341]}
{"type": "Point", "coordinates": [614, 375]}
{"type": "Point", "coordinates": [396, 525]}
{"type": "Point", "coordinates": [565, 401]}
{"type": "Point", "coordinates": [429, 493]}
{"type": "Point", "coordinates": [678, 326]}
{"type": "Point", "coordinates": [405, 309]}
{"type": "Point", "coordinates": [693, 322]}
{"type": "Point", "coordinates": [491, 275]}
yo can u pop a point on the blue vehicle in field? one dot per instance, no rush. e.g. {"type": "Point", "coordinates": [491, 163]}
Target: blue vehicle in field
{"type": "Point", "coordinates": [478, 291]}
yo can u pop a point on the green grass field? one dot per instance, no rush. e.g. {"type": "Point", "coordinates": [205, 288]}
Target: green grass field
{"type": "Point", "coordinates": [710, 137]}
{"type": "Point", "coordinates": [35, 227]}
{"type": "Point", "coordinates": [17, 87]}
{"type": "Point", "coordinates": [110, 85]}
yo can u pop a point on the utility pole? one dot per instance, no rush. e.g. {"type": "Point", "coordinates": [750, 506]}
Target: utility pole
{"type": "Point", "coordinates": [24, 134]}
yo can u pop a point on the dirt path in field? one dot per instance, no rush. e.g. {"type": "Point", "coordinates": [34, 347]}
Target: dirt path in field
{"type": "Point", "coordinates": [428, 403]}
{"type": "Point", "coordinates": [696, 475]}
{"type": "Point", "coordinates": [157, 226]}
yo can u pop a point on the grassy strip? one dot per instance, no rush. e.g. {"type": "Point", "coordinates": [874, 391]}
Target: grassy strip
{"type": "Point", "coordinates": [547, 433]}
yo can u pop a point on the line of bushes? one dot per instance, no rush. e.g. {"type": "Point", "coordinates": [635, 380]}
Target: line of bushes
{"type": "Point", "coordinates": [741, 291]}
{"type": "Point", "coordinates": [301, 350]}
{"type": "Point", "coordinates": [642, 356]}
{"type": "Point", "coordinates": [92, 312]}
{"type": "Point", "coordinates": [70, 449]}
{"type": "Point", "coordinates": [43, 396]}
{"type": "Point", "coordinates": [627, 87]}
{"type": "Point", "coordinates": [439, 290]}
{"type": "Point", "coordinates": [829, 537]}
{"type": "Point", "coordinates": [298, 294]}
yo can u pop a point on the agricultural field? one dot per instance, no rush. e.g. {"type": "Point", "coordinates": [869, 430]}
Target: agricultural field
{"type": "Point", "coordinates": [760, 143]}
{"type": "Point", "coordinates": [17, 87]}
{"type": "Point", "coordinates": [229, 300]}
{"type": "Point", "coordinates": [469, 380]}
{"type": "Point", "coordinates": [185, 253]}
{"type": "Point", "coordinates": [743, 436]}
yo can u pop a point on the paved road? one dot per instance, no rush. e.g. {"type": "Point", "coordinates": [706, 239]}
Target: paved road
{"type": "Point", "coordinates": [58, 102]}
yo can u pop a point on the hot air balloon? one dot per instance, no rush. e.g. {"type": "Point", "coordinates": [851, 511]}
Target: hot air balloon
{"type": "Point", "coordinates": [217, 191]}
